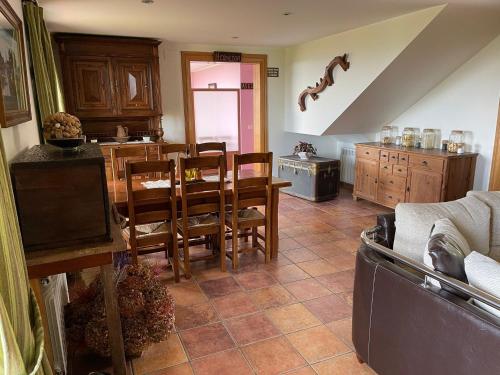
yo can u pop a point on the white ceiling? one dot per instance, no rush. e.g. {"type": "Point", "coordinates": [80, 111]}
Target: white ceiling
{"type": "Point", "coordinates": [255, 22]}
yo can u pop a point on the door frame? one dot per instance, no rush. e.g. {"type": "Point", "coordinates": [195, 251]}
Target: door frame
{"type": "Point", "coordinates": [495, 160]}
{"type": "Point", "coordinates": [261, 87]}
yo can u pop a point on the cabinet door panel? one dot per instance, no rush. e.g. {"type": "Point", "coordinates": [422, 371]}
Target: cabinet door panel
{"type": "Point", "coordinates": [92, 87]}
{"type": "Point", "coordinates": [366, 178]}
{"type": "Point", "coordinates": [423, 186]}
{"type": "Point", "coordinates": [135, 87]}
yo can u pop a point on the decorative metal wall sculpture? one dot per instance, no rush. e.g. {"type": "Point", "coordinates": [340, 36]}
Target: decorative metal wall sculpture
{"type": "Point", "coordinates": [327, 80]}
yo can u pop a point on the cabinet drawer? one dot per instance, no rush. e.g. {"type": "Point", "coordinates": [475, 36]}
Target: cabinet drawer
{"type": "Point", "coordinates": [393, 157]}
{"type": "Point", "coordinates": [399, 170]}
{"type": "Point", "coordinates": [393, 183]}
{"type": "Point", "coordinates": [430, 164]}
{"type": "Point", "coordinates": [367, 153]}
{"type": "Point", "coordinates": [384, 156]}
{"type": "Point", "coordinates": [385, 169]}
{"type": "Point", "coordinates": [402, 158]}
{"type": "Point", "coordinates": [389, 198]}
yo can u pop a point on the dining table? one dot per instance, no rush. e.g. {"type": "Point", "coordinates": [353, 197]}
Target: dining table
{"type": "Point", "coordinates": [117, 190]}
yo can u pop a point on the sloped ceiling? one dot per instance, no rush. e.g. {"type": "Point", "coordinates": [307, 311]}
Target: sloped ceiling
{"type": "Point", "coordinates": [454, 36]}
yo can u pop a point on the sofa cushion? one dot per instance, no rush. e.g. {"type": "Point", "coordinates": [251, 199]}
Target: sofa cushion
{"type": "Point", "coordinates": [445, 252]}
{"type": "Point", "coordinates": [484, 273]}
{"type": "Point", "coordinates": [492, 199]}
{"type": "Point", "coordinates": [415, 220]}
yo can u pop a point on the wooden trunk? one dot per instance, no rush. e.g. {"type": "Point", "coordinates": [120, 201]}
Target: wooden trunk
{"type": "Point", "coordinates": [315, 179]}
{"type": "Point", "coordinates": [62, 199]}
{"type": "Point", "coordinates": [388, 174]}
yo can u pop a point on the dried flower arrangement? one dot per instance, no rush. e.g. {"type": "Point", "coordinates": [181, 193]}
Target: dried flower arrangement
{"type": "Point", "coordinates": [146, 307]}
{"type": "Point", "coordinates": [61, 125]}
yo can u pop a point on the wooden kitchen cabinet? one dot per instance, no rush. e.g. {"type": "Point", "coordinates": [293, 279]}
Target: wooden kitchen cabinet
{"type": "Point", "coordinates": [110, 81]}
{"type": "Point", "coordinates": [366, 178]}
{"type": "Point", "coordinates": [388, 174]}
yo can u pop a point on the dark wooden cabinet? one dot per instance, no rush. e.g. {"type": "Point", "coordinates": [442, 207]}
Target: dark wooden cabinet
{"type": "Point", "coordinates": [91, 86]}
{"type": "Point", "coordinates": [110, 81]}
{"type": "Point", "coordinates": [390, 174]}
{"type": "Point", "coordinates": [134, 83]}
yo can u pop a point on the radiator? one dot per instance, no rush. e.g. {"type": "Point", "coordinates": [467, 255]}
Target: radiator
{"type": "Point", "coordinates": [55, 296]}
{"type": "Point", "coordinates": [347, 162]}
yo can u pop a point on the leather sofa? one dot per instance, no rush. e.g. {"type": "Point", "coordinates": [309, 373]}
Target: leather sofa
{"type": "Point", "coordinates": [403, 326]}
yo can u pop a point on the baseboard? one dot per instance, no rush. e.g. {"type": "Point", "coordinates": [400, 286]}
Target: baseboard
{"type": "Point", "coordinates": [347, 186]}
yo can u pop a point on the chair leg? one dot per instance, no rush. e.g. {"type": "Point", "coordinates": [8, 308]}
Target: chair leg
{"type": "Point", "coordinates": [235, 248]}
{"type": "Point", "coordinates": [245, 234]}
{"type": "Point", "coordinates": [268, 243]}
{"type": "Point", "coordinates": [254, 237]}
{"type": "Point", "coordinates": [175, 259]}
{"type": "Point", "coordinates": [222, 249]}
{"type": "Point", "coordinates": [133, 250]}
{"type": "Point", "coordinates": [187, 264]}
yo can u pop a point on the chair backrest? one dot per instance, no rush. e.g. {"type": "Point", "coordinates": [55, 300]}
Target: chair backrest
{"type": "Point", "coordinates": [174, 151]}
{"type": "Point", "coordinates": [148, 206]}
{"type": "Point", "coordinates": [249, 189]}
{"type": "Point", "coordinates": [202, 197]}
{"type": "Point", "coordinates": [212, 148]}
{"type": "Point", "coordinates": [119, 157]}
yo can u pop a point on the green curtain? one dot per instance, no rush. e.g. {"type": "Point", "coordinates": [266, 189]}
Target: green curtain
{"type": "Point", "coordinates": [47, 84]}
{"type": "Point", "coordinates": [21, 331]}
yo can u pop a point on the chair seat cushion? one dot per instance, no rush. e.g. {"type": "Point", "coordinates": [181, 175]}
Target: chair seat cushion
{"type": "Point", "coordinates": [200, 221]}
{"type": "Point", "coordinates": [246, 214]}
{"type": "Point", "coordinates": [144, 230]}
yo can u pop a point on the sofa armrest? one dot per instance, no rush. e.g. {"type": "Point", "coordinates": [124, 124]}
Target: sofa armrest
{"type": "Point", "coordinates": [385, 235]}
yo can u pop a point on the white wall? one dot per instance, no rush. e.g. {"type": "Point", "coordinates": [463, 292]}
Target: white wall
{"type": "Point", "coordinates": [370, 50]}
{"type": "Point", "coordinates": [22, 136]}
{"type": "Point", "coordinates": [467, 100]}
{"type": "Point", "coordinates": [280, 141]}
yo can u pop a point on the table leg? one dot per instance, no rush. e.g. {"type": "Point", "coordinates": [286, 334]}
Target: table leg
{"type": "Point", "coordinates": [275, 200]}
{"type": "Point", "coordinates": [113, 320]}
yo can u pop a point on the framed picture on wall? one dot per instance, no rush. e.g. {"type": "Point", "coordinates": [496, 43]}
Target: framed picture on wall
{"type": "Point", "coordinates": [212, 85]}
{"type": "Point", "coordinates": [14, 98]}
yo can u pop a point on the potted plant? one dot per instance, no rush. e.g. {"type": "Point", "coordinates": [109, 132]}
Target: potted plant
{"type": "Point", "coordinates": [304, 150]}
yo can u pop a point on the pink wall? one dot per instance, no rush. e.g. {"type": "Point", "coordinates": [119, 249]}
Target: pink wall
{"type": "Point", "coordinates": [227, 76]}
{"type": "Point", "coordinates": [230, 76]}
{"type": "Point", "coordinates": [246, 110]}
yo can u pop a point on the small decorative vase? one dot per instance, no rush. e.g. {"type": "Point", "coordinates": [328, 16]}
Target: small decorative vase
{"type": "Point", "coordinates": [304, 155]}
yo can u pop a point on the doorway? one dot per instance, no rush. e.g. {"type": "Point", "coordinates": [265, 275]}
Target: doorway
{"type": "Point", "coordinates": [213, 91]}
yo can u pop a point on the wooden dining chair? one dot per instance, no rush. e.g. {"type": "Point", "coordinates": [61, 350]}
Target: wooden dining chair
{"type": "Point", "coordinates": [174, 151]}
{"type": "Point", "coordinates": [212, 148]}
{"type": "Point", "coordinates": [152, 213]}
{"type": "Point", "coordinates": [248, 194]}
{"type": "Point", "coordinates": [203, 210]}
{"type": "Point", "coordinates": [120, 156]}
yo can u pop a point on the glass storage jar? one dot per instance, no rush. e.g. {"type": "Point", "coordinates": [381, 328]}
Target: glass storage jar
{"type": "Point", "coordinates": [386, 135]}
{"type": "Point", "coordinates": [409, 137]}
{"type": "Point", "coordinates": [429, 137]}
{"type": "Point", "coordinates": [456, 140]}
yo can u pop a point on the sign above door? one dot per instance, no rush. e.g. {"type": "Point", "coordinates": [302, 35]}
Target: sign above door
{"type": "Point", "coordinates": [221, 56]}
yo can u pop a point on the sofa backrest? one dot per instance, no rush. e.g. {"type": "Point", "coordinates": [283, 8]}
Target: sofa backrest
{"type": "Point", "coordinates": [414, 222]}
{"type": "Point", "coordinates": [492, 199]}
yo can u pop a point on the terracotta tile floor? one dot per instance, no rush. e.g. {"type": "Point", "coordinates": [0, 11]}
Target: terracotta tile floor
{"type": "Point", "coordinates": [291, 316]}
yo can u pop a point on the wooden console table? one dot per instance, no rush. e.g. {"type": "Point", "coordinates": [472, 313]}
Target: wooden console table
{"type": "Point", "coordinates": [49, 262]}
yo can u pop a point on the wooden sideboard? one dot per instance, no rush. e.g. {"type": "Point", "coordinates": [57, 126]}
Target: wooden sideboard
{"type": "Point", "coordinates": [388, 174]}
{"type": "Point", "coordinates": [110, 81]}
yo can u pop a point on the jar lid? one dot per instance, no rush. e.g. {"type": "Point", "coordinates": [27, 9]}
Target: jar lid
{"type": "Point", "coordinates": [457, 132]}
{"type": "Point", "coordinates": [429, 130]}
{"type": "Point", "coordinates": [387, 127]}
